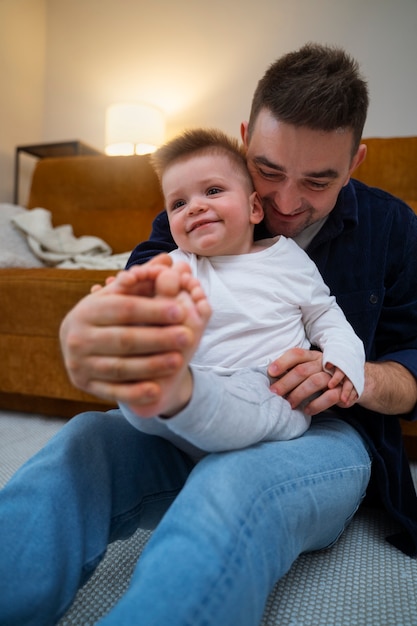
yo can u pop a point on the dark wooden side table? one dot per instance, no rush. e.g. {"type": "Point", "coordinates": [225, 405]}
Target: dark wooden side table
{"type": "Point", "coordinates": [42, 150]}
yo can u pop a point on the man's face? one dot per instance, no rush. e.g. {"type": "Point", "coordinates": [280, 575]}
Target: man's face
{"type": "Point", "coordinates": [297, 172]}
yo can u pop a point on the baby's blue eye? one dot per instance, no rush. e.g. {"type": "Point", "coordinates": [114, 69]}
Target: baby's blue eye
{"type": "Point", "coordinates": [213, 190]}
{"type": "Point", "coordinates": [177, 205]}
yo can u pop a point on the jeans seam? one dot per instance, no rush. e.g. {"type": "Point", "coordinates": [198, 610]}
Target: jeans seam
{"type": "Point", "coordinates": [122, 518]}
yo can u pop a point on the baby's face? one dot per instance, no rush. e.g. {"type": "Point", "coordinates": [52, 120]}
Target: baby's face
{"type": "Point", "coordinates": [210, 207]}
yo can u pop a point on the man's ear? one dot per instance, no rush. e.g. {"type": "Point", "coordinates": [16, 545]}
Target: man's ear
{"type": "Point", "coordinates": [244, 133]}
{"type": "Point", "coordinates": [358, 158]}
{"type": "Point", "coordinates": [257, 212]}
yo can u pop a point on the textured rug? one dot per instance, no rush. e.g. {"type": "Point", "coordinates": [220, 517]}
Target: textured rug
{"type": "Point", "coordinates": [361, 581]}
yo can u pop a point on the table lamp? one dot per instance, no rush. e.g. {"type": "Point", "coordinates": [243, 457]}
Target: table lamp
{"type": "Point", "coordinates": [133, 129]}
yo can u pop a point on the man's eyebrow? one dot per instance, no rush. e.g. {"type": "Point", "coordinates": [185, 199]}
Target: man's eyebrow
{"type": "Point", "coordinates": [328, 173]}
{"type": "Point", "coordinates": [262, 160]}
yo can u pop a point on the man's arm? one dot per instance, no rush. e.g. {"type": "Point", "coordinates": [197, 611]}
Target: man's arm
{"type": "Point", "coordinates": [160, 241]}
{"type": "Point", "coordinates": [389, 388]}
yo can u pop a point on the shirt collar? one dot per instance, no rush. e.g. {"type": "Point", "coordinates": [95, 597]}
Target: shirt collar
{"type": "Point", "coordinates": [307, 235]}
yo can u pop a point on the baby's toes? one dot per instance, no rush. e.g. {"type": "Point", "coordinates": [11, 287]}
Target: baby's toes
{"type": "Point", "coordinates": [167, 283]}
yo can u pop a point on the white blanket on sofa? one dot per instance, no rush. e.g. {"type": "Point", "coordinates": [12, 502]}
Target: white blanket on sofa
{"type": "Point", "coordinates": [57, 246]}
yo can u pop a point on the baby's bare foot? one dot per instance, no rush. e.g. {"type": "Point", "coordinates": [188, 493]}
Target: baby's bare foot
{"type": "Point", "coordinates": [177, 282]}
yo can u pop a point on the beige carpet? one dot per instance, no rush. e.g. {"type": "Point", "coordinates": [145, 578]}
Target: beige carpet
{"type": "Point", "coordinates": [361, 581]}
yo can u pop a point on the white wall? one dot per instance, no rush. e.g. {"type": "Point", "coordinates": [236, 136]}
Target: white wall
{"type": "Point", "coordinates": [200, 60]}
{"type": "Point", "coordinates": [22, 67]}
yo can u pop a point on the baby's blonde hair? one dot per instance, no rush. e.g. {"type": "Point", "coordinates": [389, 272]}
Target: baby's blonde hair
{"type": "Point", "coordinates": [201, 141]}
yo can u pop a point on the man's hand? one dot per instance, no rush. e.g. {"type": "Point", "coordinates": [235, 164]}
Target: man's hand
{"type": "Point", "coordinates": [113, 343]}
{"type": "Point", "coordinates": [389, 387]}
{"type": "Point", "coordinates": [301, 376]}
{"type": "Point", "coordinates": [303, 382]}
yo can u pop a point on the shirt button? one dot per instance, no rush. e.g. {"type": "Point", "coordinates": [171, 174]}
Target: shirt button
{"type": "Point", "coordinates": [373, 298]}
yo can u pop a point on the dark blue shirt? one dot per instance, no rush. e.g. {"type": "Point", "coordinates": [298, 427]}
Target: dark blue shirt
{"type": "Point", "coordinates": [367, 254]}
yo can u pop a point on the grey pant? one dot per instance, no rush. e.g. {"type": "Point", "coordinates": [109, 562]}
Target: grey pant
{"type": "Point", "coordinates": [226, 412]}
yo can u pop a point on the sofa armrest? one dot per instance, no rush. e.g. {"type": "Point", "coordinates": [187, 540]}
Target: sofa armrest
{"type": "Point", "coordinates": [32, 305]}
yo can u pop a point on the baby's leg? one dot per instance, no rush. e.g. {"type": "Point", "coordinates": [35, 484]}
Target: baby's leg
{"type": "Point", "coordinates": [178, 283]}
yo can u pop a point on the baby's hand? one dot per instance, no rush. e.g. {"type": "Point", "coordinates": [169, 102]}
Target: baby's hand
{"type": "Point", "coordinates": [348, 394]}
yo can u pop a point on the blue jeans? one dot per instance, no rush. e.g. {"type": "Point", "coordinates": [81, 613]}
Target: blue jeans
{"type": "Point", "coordinates": [228, 527]}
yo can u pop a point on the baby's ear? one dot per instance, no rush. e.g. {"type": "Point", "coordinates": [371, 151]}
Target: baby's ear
{"type": "Point", "coordinates": [244, 133]}
{"type": "Point", "coordinates": [257, 212]}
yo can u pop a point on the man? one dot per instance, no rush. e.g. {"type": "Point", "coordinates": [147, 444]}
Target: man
{"type": "Point", "coordinates": [234, 523]}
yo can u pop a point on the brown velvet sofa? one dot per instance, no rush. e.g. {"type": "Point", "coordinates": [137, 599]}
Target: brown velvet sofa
{"type": "Point", "coordinates": [115, 198]}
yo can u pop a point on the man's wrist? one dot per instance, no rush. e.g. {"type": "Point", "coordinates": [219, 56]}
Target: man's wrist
{"type": "Point", "coordinates": [390, 388]}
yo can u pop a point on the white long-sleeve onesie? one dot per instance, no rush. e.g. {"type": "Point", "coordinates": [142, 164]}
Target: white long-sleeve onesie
{"type": "Point", "coordinates": [263, 304]}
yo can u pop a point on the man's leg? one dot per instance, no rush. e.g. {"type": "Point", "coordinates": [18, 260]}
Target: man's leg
{"type": "Point", "coordinates": [238, 525]}
{"type": "Point", "coordinates": [97, 480]}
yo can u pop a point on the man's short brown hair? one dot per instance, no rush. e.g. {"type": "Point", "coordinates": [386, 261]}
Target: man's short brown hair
{"type": "Point", "coordinates": [318, 87]}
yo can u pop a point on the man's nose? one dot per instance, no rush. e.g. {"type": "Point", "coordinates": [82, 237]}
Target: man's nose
{"type": "Point", "coordinates": [288, 198]}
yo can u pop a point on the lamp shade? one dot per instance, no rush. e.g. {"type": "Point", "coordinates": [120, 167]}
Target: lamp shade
{"type": "Point", "coordinates": [133, 128]}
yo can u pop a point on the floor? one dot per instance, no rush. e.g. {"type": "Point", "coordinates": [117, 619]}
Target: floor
{"type": "Point", "coordinates": [361, 581]}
